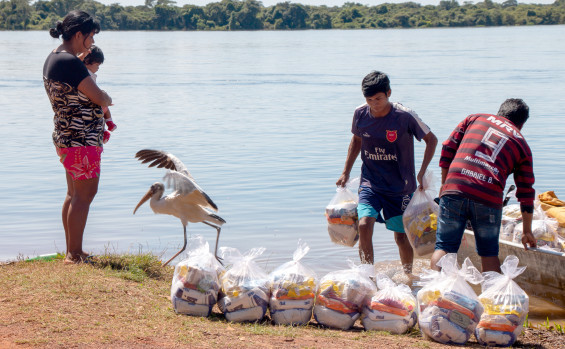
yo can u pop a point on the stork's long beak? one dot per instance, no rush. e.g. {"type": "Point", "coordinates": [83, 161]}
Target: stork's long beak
{"type": "Point", "coordinates": [144, 199]}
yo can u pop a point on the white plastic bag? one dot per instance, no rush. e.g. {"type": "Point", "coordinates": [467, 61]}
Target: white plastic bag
{"type": "Point", "coordinates": [293, 290]}
{"type": "Point", "coordinates": [244, 293]}
{"type": "Point", "coordinates": [392, 308]}
{"type": "Point", "coordinates": [195, 285]}
{"type": "Point", "coordinates": [448, 308]}
{"type": "Point", "coordinates": [544, 230]}
{"type": "Point", "coordinates": [341, 296]}
{"type": "Point", "coordinates": [341, 213]}
{"type": "Point", "coordinates": [505, 306]}
{"type": "Point", "coordinates": [507, 228]}
{"type": "Point", "coordinates": [420, 217]}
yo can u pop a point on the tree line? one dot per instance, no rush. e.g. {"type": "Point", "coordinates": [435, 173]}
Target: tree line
{"type": "Point", "coordinates": [252, 15]}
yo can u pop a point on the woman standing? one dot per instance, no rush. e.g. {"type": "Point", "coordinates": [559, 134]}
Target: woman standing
{"type": "Point", "coordinates": [79, 123]}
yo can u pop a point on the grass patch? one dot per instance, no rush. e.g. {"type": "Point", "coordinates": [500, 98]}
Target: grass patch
{"type": "Point", "coordinates": [135, 267]}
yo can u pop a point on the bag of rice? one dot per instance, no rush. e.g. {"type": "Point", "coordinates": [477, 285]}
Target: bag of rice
{"type": "Point", "coordinates": [420, 217]}
{"type": "Point", "coordinates": [342, 294]}
{"type": "Point", "coordinates": [244, 293]}
{"type": "Point", "coordinates": [392, 308]}
{"type": "Point", "coordinates": [505, 306]}
{"type": "Point", "coordinates": [293, 290]}
{"type": "Point", "coordinates": [195, 285]}
{"type": "Point", "coordinates": [341, 214]}
{"type": "Point", "coordinates": [448, 308]}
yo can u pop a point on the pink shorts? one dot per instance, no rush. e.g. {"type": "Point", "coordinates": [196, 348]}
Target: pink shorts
{"type": "Point", "coordinates": [81, 162]}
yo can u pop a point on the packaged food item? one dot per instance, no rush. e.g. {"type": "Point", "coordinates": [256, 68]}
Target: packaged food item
{"type": "Point", "coordinates": [448, 308]}
{"type": "Point", "coordinates": [392, 308]}
{"type": "Point", "coordinates": [342, 294]}
{"type": "Point", "coordinates": [505, 306]}
{"type": "Point", "coordinates": [195, 284]}
{"type": "Point", "coordinates": [341, 214]}
{"type": "Point", "coordinates": [293, 290]}
{"type": "Point", "coordinates": [544, 230]}
{"type": "Point", "coordinates": [244, 293]}
{"type": "Point", "coordinates": [512, 211]}
{"type": "Point", "coordinates": [507, 228]}
{"type": "Point", "coordinates": [420, 217]}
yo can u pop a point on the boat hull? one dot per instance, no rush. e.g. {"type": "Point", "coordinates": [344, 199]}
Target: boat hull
{"type": "Point", "coordinates": [544, 276]}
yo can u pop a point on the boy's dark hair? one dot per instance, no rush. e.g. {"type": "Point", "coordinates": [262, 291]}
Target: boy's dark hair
{"type": "Point", "coordinates": [374, 83]}
{"type": "Point", "coordinates": [95, 56]}
{"type": "Point", "coordinates": [515, 110]}
{"type": "Point", "coordinates": [74, 22]}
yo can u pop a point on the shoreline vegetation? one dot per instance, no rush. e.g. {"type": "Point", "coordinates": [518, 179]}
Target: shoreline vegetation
{"type": "Point", "coordinates": [252, 15]}
{"type": "Point", "coordinates": [122, 301]}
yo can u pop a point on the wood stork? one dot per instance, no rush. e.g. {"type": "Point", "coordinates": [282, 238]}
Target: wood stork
{"type": "Point", "coordinates": [188, 202]}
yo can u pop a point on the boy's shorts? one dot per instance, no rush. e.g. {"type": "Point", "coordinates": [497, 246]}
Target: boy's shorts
{"type": "Point", "coordinates": [81, 162]}
{"type": "Point", "coordinates": [371, 204]}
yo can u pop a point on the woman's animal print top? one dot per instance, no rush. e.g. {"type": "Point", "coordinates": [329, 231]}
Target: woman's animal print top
{"type": "Point", "coordinates": [78, 121]}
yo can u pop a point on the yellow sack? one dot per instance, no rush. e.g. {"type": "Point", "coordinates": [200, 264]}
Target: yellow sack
{"type": "Point", "coordinates": [557, 213]}
{"type": "Point", "coordinates": [550, 198]}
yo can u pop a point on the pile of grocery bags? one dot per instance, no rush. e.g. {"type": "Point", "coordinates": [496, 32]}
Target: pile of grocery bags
{"type": "Point", "coordinates": [548, 224]}
{"type": "Point", "coordinates": [446, 308]}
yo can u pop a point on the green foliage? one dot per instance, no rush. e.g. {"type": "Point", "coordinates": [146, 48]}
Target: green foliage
{"type": "Point", "coordinates": [252, 15]}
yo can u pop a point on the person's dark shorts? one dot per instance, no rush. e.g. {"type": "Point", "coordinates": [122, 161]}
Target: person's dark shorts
{"type": "Point", "coordinates": [454, 211]}
{"type": "Point", "coordinates": [372, 203]}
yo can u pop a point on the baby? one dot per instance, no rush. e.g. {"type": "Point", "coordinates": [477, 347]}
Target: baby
{"type": "Point", "coordinates": [92, 61]}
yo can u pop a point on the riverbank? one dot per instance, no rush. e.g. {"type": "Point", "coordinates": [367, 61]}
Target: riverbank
{"type": "Point", "coordinates": [53, 305]}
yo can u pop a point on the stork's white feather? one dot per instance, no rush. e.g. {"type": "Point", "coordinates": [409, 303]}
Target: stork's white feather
{"type": "Point", "coordinates": [181, 168]}
{"type": "Point", "coordinates": [180, 182]}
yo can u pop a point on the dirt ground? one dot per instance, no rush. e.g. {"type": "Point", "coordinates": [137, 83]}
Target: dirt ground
{"type": "Point", "coordinates": [52, 305]}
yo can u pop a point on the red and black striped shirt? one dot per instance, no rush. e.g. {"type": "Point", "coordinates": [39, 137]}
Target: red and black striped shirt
{"type": "Point", "coordinates": [481, 153]}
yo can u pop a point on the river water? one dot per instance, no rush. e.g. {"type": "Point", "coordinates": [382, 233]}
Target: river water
{"type": "Point", "coordinates": [262, 120]}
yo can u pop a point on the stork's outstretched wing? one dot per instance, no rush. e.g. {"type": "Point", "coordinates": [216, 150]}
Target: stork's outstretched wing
{"type": "Point", "coordinates": [161, 159]}
{"type": "Point", "coordinates": [178, 177]}
{"type": "Point", "coordinates": [186, 187]}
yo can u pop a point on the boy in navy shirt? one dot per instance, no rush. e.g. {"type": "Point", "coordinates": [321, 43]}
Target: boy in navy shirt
{"type": "Point", "coordinates": [384, 132]}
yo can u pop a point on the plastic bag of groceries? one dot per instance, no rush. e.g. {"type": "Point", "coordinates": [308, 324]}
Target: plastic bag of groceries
{"type": "Point", "coordinates": [544, 230]}
{"type": "Point", "coordinates": [341, 213]}
{"type": "Point", "coordinates": [195, 285]}
{"type": "Point", "coordinates": [448, 308]}
{"type": "Point", "coordinates": [512, 211]}
{"type": "Point", "coordinates": [515, 211]}
{"type": "Point", "coordinates": [507, 228]}
{"type": "Point", "coordinates": [392, 308]}
{"type": "Point", "coordinates": [420, 217]}
{"type": "Point", "coordinates": [244, 293]}
{"type": "Point", "coordinates": [505, 306]}
{"type": "Point", "coordinates": [293, 290]}
{"type": "Point", "coordinates": [342, 294]}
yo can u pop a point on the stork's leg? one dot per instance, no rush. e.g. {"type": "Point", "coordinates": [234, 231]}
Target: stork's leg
{"type": "Point", "coordinates": [217, 240]}
{"type": "Point", "coordinates": [179, 252]}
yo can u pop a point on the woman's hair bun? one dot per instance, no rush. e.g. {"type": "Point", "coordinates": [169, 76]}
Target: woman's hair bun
{"type": "Point", "coordinates": [57, 31]}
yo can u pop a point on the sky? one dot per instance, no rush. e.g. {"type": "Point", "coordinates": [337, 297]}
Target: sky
{"type": "Point", "coordinates": [309, 2]}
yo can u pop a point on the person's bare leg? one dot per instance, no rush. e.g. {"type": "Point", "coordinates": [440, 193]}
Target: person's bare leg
{"type": "Point", "coordinates": [436, 256]}
{"type": "Point", "coordinates": [66, 205]}
{"type": "Point", "coordinates": [366, 225]}
{"type": "Point", "coordinates": [490, 264]}
{"type": "Point", "coordinates": [405, 251]}
{"type": "Point", "coordinates": [84, 192]}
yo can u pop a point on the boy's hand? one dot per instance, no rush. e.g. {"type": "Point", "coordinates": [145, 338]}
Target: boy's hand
{"type": "Point", "coordinates": [342, 180]}
{"type": "Point", "coordinates": [529, 239]}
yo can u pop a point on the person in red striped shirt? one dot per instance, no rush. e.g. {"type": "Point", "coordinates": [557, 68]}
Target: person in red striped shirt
{"type": "Point", "coordinates": [476, 159]}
